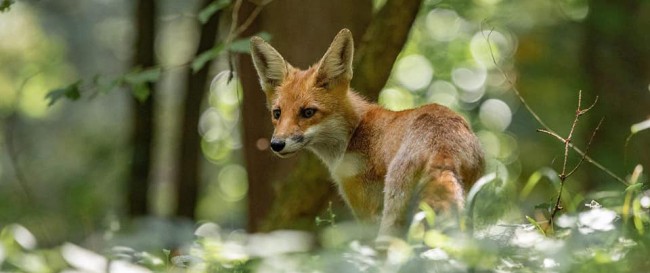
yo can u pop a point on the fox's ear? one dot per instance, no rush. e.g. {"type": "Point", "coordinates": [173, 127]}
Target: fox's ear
{"type": "Point", "coordinates": [270, 66]}
{"type": "Point", "coordinates": [336, 65]}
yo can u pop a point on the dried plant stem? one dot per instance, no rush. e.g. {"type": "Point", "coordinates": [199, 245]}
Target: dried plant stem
{"type": "Point", "coordinates": [546, 128]}
{"type": "Point", "coordinates": [235, 30]}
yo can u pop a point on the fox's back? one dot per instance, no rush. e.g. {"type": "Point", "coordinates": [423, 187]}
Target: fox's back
{"type": "Point", "coordinates": [431, 131]}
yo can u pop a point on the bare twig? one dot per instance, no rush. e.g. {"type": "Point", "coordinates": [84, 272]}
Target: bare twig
{"type": "Point", "coordinates": [582, 159]}
{"type": "Point", "coordinates": [235, 30]}
{"type": "Point", "coordinates": [551, 133]}
{"type": "Point", "coordinates": [540, 121]}
{"type": "Point", "coordinates": [564, 175]}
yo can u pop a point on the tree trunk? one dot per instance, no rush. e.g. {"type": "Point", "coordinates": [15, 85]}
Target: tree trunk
{"type": "Point", "coordinates": [187, 179]}
{"type": "Point", "coordinates": [290, 193]}
{"type": "Point", "coordinates": [616, 59]}
{"type": "Point", "coordinates": [381, 44]}
{"type": "Point", "coordinates": [143, 127]}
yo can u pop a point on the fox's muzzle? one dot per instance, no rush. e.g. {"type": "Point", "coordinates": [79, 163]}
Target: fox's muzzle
{"type": "Point", "coordinates": [277, 144]}
{"type": "Point", "coordinates": [287, 145]}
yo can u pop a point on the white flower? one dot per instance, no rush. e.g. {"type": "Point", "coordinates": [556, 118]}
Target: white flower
{"type": "Point", "coordinates": [527, 238]}
{"type": "Point", "coordinates": [593, 205]}
{"type": "Point", "coordinates": [566, 221]}
{"type": "Point", "coordinates": [549, 263]}
{"type": "Point", "coordinates": [645, 202]}
{"type": "Point", "coordinates": [435, 254]}
{"type": "Point", "coordinates": [597, 219]}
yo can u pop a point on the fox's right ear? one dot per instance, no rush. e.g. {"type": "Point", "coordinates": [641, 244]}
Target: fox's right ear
{"type": "Point", "coordinates": [270, 66]}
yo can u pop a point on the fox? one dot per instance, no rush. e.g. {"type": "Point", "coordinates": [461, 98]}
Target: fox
{"type": "Point", "coordinates": [384, 163]}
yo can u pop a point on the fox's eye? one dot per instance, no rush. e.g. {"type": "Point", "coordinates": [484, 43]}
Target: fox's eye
{"type": "Point", "coordinates": [308, 113]}
{"type": "Point", "coordinates": [276, 113]}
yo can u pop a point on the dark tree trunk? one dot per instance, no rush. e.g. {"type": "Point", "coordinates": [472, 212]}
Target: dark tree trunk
{"type": "Point", "coordinates": [143, 127]}
{"type": "Point", "coordinates": [189, 160]}
{"type": "Point", "coordinates": [616, 59]}
{"type": "Point", "coordinates": [290, 193]}
{"type": "Point", "coordinates": [381, 44]}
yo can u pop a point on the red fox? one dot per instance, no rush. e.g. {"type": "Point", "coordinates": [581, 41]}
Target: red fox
{"type": "Point", "coordinates": [382, 161]}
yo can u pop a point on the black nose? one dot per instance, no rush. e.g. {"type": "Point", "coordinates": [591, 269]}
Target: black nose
{"type": "Point", "coordinates": [277, 145]}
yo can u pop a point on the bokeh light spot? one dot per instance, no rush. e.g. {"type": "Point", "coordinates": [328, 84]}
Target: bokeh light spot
{"type": "Point", "coordinates": [443, 24]}
{"type": "Point", "coordinates": [233, 182]}
{"type": "Point", "coordinates": [414, 72]}
{"type": "Point", "coordinates": [495, 115]}
{"type": "Point", "coordinates": [396, 99]}
{"type": "Point", "coordinates": [469, 78]}
{"type": "Point", "coordinates": [498, 44]}
{"type": "Point", "coordinates": [444, 93]}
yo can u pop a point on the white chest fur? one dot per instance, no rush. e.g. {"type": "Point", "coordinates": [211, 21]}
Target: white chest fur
{"type": "Point", "coordinates": [347, 167]}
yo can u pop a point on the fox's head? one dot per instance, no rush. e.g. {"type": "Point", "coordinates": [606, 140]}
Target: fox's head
{"type": "Point", "coordinates": [308, 108]}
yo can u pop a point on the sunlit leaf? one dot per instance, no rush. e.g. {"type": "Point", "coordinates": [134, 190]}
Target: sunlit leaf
{"type": "Point", "coordinates": [207, 12]}
{"type": "Point", "coordinates": [243, 45]}
{"type": "Point", "coordinates": [203, 58]}
{"type": "Point", "coordinates": [634, 187]}
{"type": "Point", "coordinates": [535, 224]}
{"type": "Point", "coordinates": [70, 92]}
{"type": "Point", "coordinates": [644, 125]}
{"type": "Point", "coordinates": [476, 188]}
{"type": "Point", "coordinates": [537, 176]}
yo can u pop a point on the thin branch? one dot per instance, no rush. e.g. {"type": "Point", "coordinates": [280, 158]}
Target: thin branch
{"type": "Point", "coordinates": [551, 133]}
{"type": "Point", "coordinates": [233, 23]}
{"type": "Point", "coordinates": [235, 30]}
{"type": "Point", "coordinates": [582, 159]}
{"type": "Point", "coordinates": [539, 120]}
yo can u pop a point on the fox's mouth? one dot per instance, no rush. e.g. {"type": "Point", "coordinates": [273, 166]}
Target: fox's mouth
{"type": "Point", "coordinates": [286, 154]}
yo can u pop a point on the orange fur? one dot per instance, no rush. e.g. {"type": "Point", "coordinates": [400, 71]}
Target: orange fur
{"type": "Point", "coordinates": [381, 160]}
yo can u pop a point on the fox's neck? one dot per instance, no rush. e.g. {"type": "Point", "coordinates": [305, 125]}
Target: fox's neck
{"type": "Point", "coordinates": [340, 129]}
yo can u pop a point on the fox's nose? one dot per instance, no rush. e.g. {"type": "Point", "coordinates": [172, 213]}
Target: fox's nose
{"type": "Point", "coordinates": [277, 145]}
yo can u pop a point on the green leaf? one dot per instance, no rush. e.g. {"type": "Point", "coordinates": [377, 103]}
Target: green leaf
{"type": "Point", "coordinates": [537, 176]}
{"type": "Point", "coordinates": [644, 125]}
{"type": "Point", "coordinates": [203, 58]}
{"type": "Point", "coordinates": [5, 5]}
{"type": "Point", "coordinates": [207, 12]}
{"type": "Point", "coordinates": [544, 206]}
{"type": "Point", "coordinates": [70, 92]}
{"type": "Point", "coordinates": [138, 80]}
{"type": "Point", "coordinates": [138, 76]}
{"type": "Point", "coordinates": [243, 45]}
{"type": "Point", "coordinates": [534, 223]}
{"type": "Point", "coordinates": [141, 92]}
{"type": "Point", "coordinates": [634, 187]}
{"type": "Point", "coordinates": [476, 188]}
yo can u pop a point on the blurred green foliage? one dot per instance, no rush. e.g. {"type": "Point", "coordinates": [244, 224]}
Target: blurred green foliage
{"type": "Point", "coordinates": [597, 239]}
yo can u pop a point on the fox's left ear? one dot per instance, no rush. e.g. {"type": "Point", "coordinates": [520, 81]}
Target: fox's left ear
{"type": "Point", "coordinates": [336, 65]}
{"type": "Point", "coordinates": [271, 67]}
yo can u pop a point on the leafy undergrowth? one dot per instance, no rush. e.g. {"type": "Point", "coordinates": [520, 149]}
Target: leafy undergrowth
{"type": "Point", "coordinates": [593, 238]}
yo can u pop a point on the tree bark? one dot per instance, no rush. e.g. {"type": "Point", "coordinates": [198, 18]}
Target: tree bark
{"type": "Point", "coordinates": [291, 193]}
{"type": "Point", "coordinates": [381, 44]}
{"type": "Point", "coordinates": [189, 160]}
{"type": "Point", "coordinates": [616, 59]}
{"type": "Point", "coordinates": [143, 127]}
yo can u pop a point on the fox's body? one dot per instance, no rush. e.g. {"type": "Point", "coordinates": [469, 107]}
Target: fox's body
{"type": "Point", "coordinates": [383, 161]}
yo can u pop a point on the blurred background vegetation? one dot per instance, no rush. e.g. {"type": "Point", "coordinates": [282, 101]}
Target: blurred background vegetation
{"type": "Point", "coordinates": [164, 124]}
